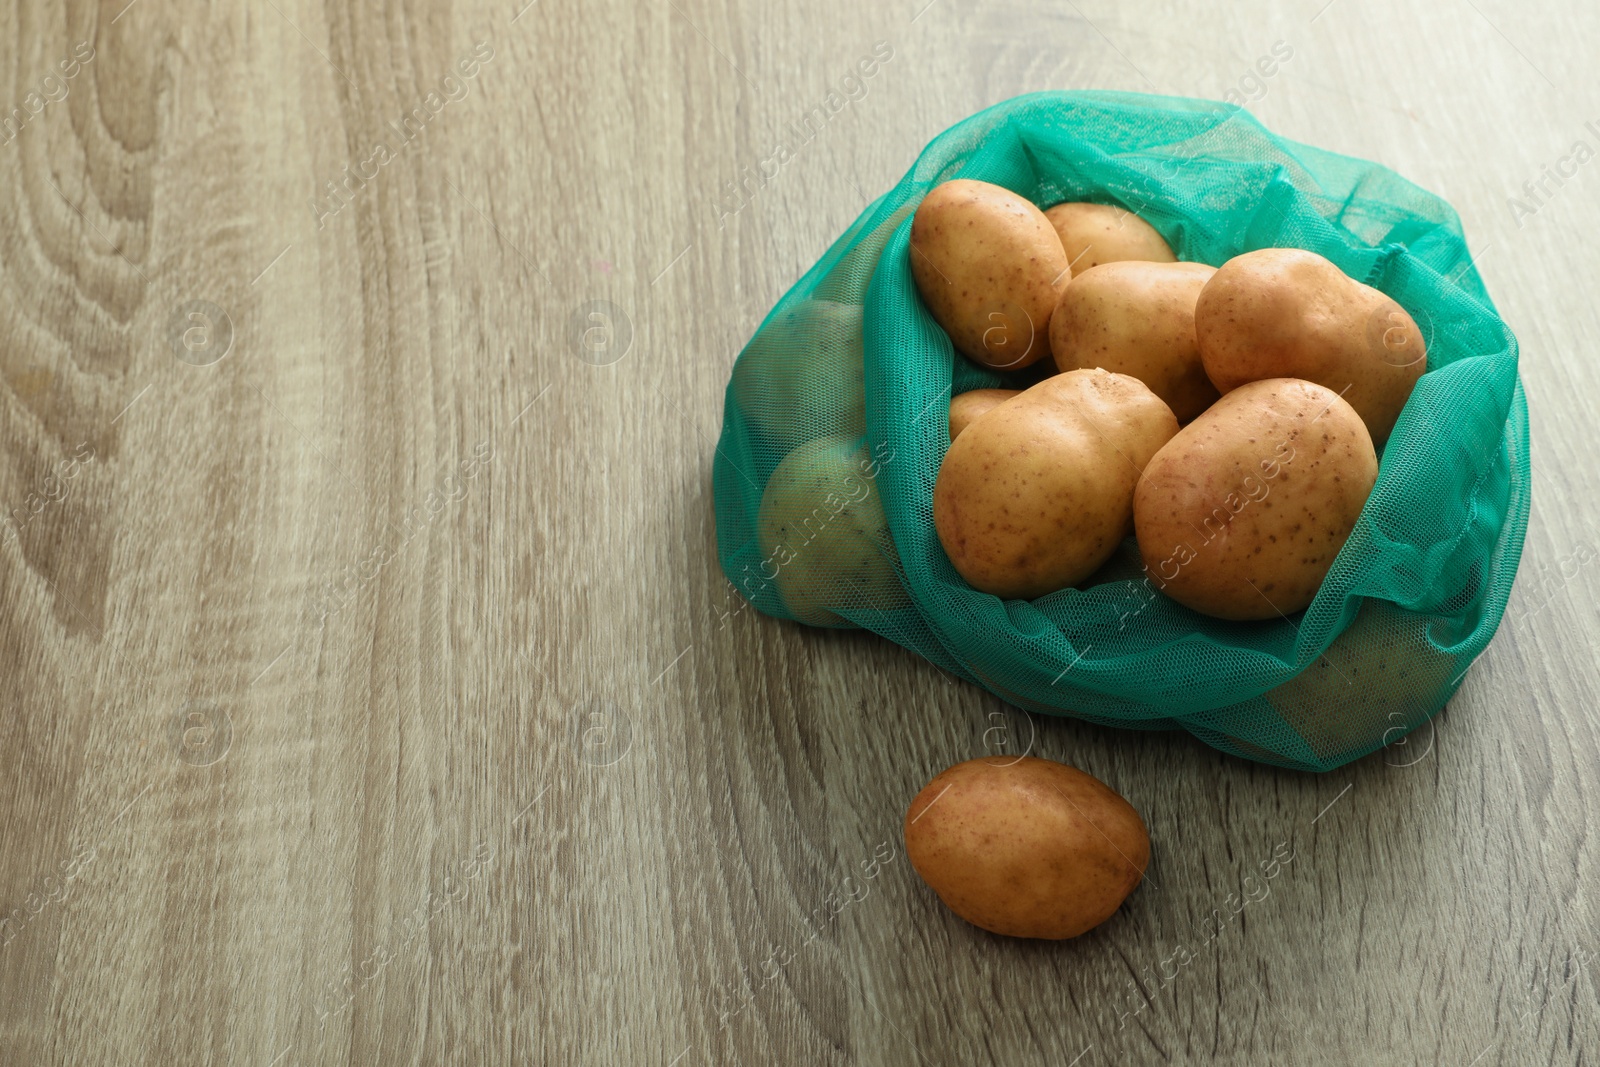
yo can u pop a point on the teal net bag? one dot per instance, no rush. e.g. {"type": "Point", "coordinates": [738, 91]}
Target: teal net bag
{"type": "Point", "coordinates": [835, 424]}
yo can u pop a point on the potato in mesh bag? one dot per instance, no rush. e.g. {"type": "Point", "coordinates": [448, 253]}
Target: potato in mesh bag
{"type": "Point", "coordinates": [1377, 681]}
{"type": "Point", "coordinates": [825, 542]}
{"type": "Point", "coordinates": [800, 377]}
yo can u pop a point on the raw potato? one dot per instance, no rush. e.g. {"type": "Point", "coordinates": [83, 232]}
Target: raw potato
{"type": "Point", "coordinates": [969, 405]}
{"type": "Point", "coordinates": [1288, 313]}
{"type": "Point", "coordinates": [1137, 318]}
{"type": "Point", "coordinates": [801, 376]}
{"type": "Point", "coordinates": [1379, 679]}
{"type": "Point", "coordinates": [989, 268]}
{"type": "Point", "coordinates": [847, 281]}
{"type": "Point", "coordinates": [1036, 493]}
{"type": "Point", "coordinates": [1092, 234]}
{"type": "Point", "coordinates": [824, 540]}
{"type": "Point", "coordinates": [1242, 513]}
{"type": "Point", "coordinates": [1026, 847]}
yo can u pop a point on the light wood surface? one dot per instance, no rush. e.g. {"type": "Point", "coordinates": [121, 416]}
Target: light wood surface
{"type": "Point", "coordinates": [370, 690]}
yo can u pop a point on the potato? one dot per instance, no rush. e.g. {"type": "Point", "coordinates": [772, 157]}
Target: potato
{"type": "Point", "coordinates": [969, 405]}
{"type": "Point", "coordinates": [824, 540]}
{"type": "Point", "coordinates": [801, 375]}
{"type": "Point", "coordinates": [1036, 493]}
{"type": "Point", "coordinates": [990, 269]}
{"type": "Point", "coordinates": [847, 281]}
{"type": "Point", "coordinates": [1092, 234]}
{"type": "Point", "coordinates": [1137, 318]}
{"type": "Point", "coordinates": [1242, 513]}
{"type": "Point", "coordinates": [1026, 847]}
{"type": "Point", "coordinates": [1379, 679]}
{"type": "Point", "coordinates": [1287, 313]}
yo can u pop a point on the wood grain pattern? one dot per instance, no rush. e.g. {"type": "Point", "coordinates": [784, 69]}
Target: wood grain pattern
{"type": "Point", "coordinates": [371, 692]}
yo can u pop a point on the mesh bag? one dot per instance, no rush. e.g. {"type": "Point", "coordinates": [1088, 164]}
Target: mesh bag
{"type": "Point", "coordinates": [835, 424]}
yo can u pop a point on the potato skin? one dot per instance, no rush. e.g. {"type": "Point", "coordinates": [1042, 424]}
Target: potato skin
{"type": "Point", "coordinates": [1137, 318]}
{"type": "Point", "coordinates": [823, 535]}
{"type": "Point", "coordinates": [1377, 680]}
{"type": "Point", "coordinates": [1092, 234]}
{"type": "Point", "coordinates": [1242, 513]}
{"type": "Point", "coordinates": [1036, 493]}
{"type": "Point", "coordinates": [848, 280]}
{"type": "Point", "coordinates": [1288, 313]}
{"type": "Point", "coordinates": [1026, 847]}
{"type": "Point", "coordinates": [990, 269]}
{"type": "Point", "coordinates": [965, 407]}
{"type": "Point", "coordinates": [802, 375]}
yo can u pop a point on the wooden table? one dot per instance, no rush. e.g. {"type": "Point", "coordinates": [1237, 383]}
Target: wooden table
{"type": "Point", "coordinates": [371, 692]}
